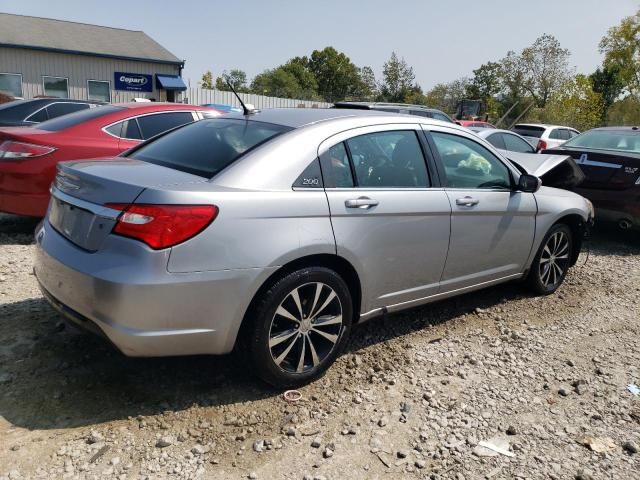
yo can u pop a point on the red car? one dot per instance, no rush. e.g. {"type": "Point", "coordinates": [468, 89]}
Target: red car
{"type": "Point", "coordinates": [474, 123]}
{"type": "Point", "coordinates": [29, 155]}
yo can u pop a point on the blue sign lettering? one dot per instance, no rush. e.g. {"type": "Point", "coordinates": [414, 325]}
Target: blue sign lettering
{"type": "Point", "coordinates": [137, 82]}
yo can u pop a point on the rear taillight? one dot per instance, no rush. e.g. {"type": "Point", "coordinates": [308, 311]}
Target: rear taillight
{"type": "Point", "coordinates": [16, 150]}
{"type": "Point", "coordinates": [542, 145]}
{"type": "Point", "coordinates": [162, 226]}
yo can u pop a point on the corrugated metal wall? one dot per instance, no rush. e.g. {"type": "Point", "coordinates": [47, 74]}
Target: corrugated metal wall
{"type": "Point", "coordinates": [201, 96]}
{"type": "Point", "coordinates": [33, 64]}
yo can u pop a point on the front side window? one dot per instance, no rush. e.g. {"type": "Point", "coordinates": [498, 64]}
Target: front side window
{"type": "Point", "coordinates": [152, 125]}
{"type": "Point", "coordinates": [517, 144]}
{"type": "Point", "coordinates": [391, 159]}
{"type": "Point", "coordinates": [11, 84]}
{"type": "Point", "coordinates": [55, 87]}
{"type": "Point", "coordinates": [468, 164]}
{"type": "Point", "coordinates": [99, 91]}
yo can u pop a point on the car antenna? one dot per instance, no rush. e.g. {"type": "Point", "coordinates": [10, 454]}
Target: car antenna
{"type": "Point", "coordinates": [246, 110]}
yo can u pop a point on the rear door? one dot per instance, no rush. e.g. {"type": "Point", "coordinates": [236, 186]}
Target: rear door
{"type": "Point", "coordinates": [492, 226]}
{"type": "Point", "coordinates": [390, 216]}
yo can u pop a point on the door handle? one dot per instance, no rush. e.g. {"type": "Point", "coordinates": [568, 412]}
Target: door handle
{"type": "Point", "coordinates": [467, 201]}
{"type": "Point", "coordinates": [363, 203]}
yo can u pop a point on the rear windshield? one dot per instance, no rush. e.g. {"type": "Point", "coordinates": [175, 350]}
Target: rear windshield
{"type": "Point", "coordinates": [607, 140]}
{"type": "Point", "coordinates": [527, 131]}
{"type": "Point", "coordinates": [206, 147]}
{"type": "Point", "coordinates": [73, 119]}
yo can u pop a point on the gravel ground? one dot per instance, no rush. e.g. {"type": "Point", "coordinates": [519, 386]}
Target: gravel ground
{"type": "Point", "coordinates": [417, 395]}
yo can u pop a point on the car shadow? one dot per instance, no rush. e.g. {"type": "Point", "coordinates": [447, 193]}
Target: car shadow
{"type": "Point", "coordinates": [52, 376]}
{"type": "Point", "coordinates": [17, 230]}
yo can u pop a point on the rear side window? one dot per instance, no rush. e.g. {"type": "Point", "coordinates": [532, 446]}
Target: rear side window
{"type": "Point", "coordinates": [39, 116]}
{"type": "Point", "coordinates": [206, 147]}
{"type": "Point", "coordinates": [74, 119]}
{"type": "Point", "coordinates": [556, 134]}
{"type": "Point", "coordinates": [497, 141]}
{"type": "Point", "coordinates": [516, 144]}
{"type": "Point", "coordinates": [59, 109]}
{"type": "Point", "coordinates": [336, 169]}
{"type": "Point", "coordinates": [152, 125]}
{"type": "Point", "coordinates": [529, 131]}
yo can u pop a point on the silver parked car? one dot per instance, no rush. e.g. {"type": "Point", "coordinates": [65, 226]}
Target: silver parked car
{"type": "Point", "coordinates": [276, 232]}
{"type": "Point", "coordinates": [504, 139]}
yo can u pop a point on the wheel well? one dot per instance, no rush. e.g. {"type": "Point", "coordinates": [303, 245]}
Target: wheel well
{"type": "Point", "coordinates": [338, 264]}
{"type": "Point", "coordinates": [577, 226]}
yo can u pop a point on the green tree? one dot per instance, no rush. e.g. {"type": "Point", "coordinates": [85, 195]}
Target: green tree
{"type": "Point", "coordinates": [486, 81]}
{"type": "Point", "coordinates": [207, 80]}
{"type": "Point", "coordinates": [621, 48]}
{"type": "Point", "coordinates": [607, 82]}
{"type": "Point", "coordinates": [337, 76]}
{"type": "Point", "coordinates": [398, 79]}
{"type": "Point", "coordinates": [575, 103]}
{"type": "Point", "coordinates": [545, 65]}
{"type": "Point", "coordinates": [237, 78]}
{"type": "Point", "coordinates": [277, 82]}
{"type": "Point", "coordinates": [299, 68]}
{"type": "Point", "coordinates": [445, 96]}
{"type": "Point", "coordinates": [625, 111]}
{"type": "Point", "coordinates": [368, 83]}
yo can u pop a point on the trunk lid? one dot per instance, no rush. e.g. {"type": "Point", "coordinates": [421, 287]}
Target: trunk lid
{"type": "Point", "coordinates": [559, 171]}
{"type": "Point", "coordinates": [82, 188]}
{"type": "Point", "coordinates": [605, 169]}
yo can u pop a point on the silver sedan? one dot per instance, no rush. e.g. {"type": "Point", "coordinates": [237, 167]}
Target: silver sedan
{"type": "Point", "coordinates": [273, 233]}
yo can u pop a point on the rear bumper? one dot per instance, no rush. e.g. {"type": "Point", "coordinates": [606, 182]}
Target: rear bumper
{"type": "Point", "coordinates": [142, 309]}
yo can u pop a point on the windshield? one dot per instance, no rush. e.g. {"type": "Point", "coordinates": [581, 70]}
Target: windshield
{"type": "Point", "coordinates": [206, 147]}
{"type": "Point", "coordinates": [73, 119]}
{"type": "Point", "coordinates": [622, 141]}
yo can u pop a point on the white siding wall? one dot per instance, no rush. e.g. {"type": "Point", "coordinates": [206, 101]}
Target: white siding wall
{"type": "Point", "coordinates": [33, 64]}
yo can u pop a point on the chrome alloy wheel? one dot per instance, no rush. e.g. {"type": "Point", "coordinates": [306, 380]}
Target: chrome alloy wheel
{"type": "Point", "coordinates": [554, 260]}
{"type": "Point", "coordinates": [305, 327]}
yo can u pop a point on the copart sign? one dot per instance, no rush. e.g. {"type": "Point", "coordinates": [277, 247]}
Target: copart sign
{"type": "Point", "coordinates": [137, 82]}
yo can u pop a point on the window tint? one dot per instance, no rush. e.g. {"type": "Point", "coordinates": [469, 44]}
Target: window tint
{"type": "Point", "coordinates": [336, 170]}
{"type": "Point", "coordinates": [573, 133]}
{"type": "Point", "coordinates": [497, 141]}
{"type": "Point", "coordinates": [565, 134]}
{"type": "Point", "coordinates": [517, 144]}
{"type": "Point", "coordinates": [621, 140]}
{"type": "Point", "coordinates": [421, 113]}
{"type": "Point", "coordinates": [388, 159]}
{"type": "Point", "coordinates": [77, 118]}
{"type": "Point", "coordinates": [98, 90]}
{"type": "Point", "coordinates": [152, 125]}
{"type": "Point", "coordinates": [130, 130]}
{"type": "Point", "coordinates": [206, 147]}
{"type": "Point", "coordinates": [529, 131]}
{"type": "Point", "coordinates": [440, 116]}
{"type": "Point", "coordinates": [39, 116]}
{"type": "Point", "coordinates": [55, 87]}
{"type": "Point", "coordinates": [11, 84]}
{"type": "Point", "coordinates": [58, 109]}
{"type": "Point", "coordinates": [115, 129]}
{"type": "Point", "coordinates": [556, 134]}
{"type": "Point", "coordinates": [468, 164]}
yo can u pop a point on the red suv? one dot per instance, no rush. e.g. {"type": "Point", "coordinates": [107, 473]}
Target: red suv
{"type": "Point", "coordinates": [29, 155]}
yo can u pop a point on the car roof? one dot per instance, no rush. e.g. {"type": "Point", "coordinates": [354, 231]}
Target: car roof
{"type": "Point", "coordinates": [486, 131]}
{"type": "Point", "coordinates": [375, 105]}
{"type": "Point", "coordinates": [619, 129]}
{"type": "Point", "coordinates": [299, 117]}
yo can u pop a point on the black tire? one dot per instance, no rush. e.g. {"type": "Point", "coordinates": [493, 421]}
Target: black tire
{"type": "Point", "coordinates": [313, 341]}
{"type": "Point", "coordinates": [551, 264]}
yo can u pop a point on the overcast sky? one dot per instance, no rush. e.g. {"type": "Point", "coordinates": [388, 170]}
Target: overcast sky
{"type": "Point", "coordinates": [442, 39]}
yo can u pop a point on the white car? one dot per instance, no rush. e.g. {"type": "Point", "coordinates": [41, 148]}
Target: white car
{"type": "Point", "coordinates": [545, 136]}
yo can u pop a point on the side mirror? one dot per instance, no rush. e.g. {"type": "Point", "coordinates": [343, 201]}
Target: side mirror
{"type": "Point", "coordinates": [529, 183]}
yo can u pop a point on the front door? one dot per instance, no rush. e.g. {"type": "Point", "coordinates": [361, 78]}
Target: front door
{"type": "Point", "coordinates": [492, 225]}
{"type": "Point", "coordinates": [389, 216]}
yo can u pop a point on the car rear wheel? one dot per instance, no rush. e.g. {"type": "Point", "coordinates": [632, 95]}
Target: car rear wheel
{"type": "Point", "coordinates": [299, 326]}
{"type": "Point", "coordinates": [551, 263]}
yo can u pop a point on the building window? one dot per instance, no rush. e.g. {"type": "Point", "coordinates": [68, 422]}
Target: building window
{"type": "Point", "coordinates": [99, 90]}
{"type": "Point", "coordinates": [56, 87]}
{"type": "Point", "coordinates": [11, 84]}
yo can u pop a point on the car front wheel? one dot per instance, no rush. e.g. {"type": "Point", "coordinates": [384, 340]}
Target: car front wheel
{"type": "Point", "coordinates": [299, 326]}
{"type": "Point", "coordinates": [551, 263]}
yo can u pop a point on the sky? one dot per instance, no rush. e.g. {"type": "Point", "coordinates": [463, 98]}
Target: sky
{"type": "Point", "coordinates": [442, 40]}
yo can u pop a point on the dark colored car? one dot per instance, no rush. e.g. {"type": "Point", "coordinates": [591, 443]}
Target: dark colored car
{"type": "Point", "coordinates": [24, 113]}
{"type": "Point", "coordinates": [610, 160]}
{"type": "Point", "coordinates": [405, 108]}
